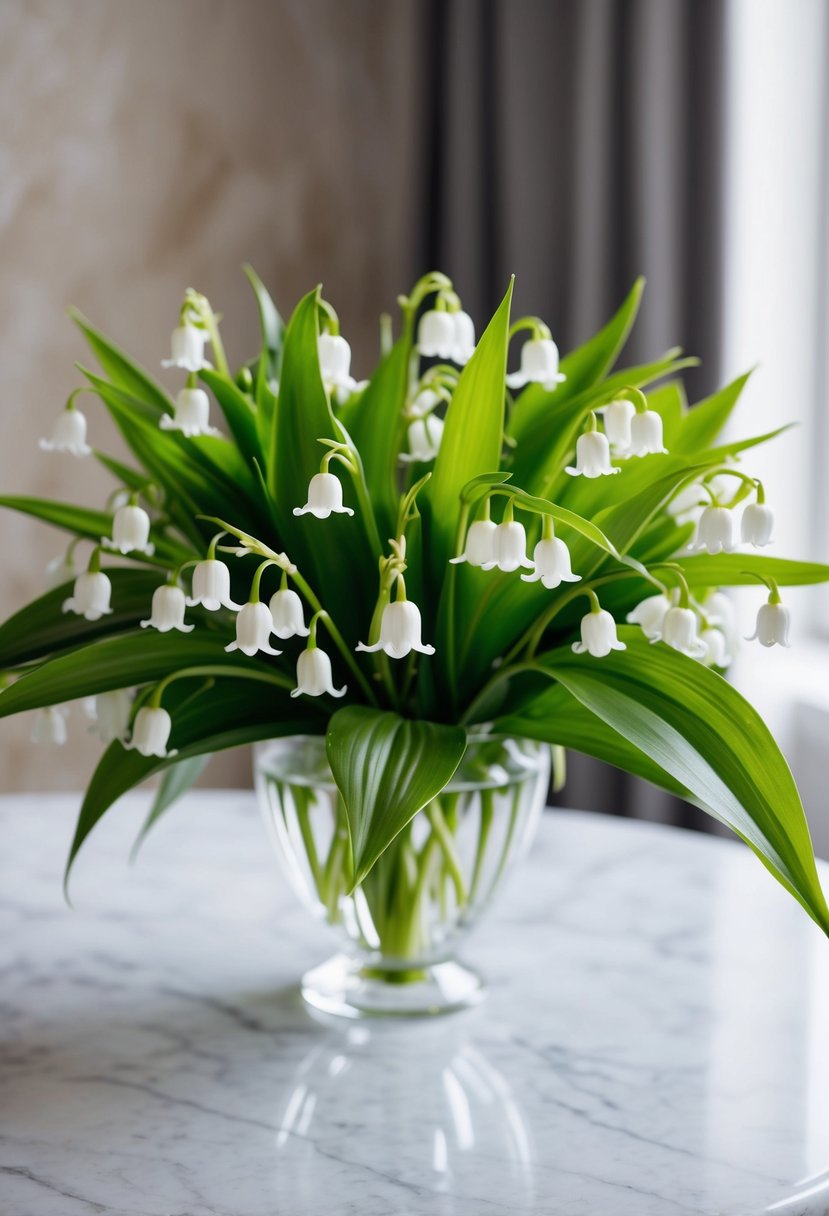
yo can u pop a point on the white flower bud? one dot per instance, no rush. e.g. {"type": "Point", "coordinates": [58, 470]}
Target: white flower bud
{"type": "Point", "coordinates": [286, 614]}
{"type": "Point", "coordinates": [539, 365]}
{"type": "Point", "coordinates": [150, 732]}
{"type": "Point", "coordinates": [168, 610]}
{"type": "Point", "coordinates": [254, 626]}
{"type": "Point", "coordinates": [598, 635]}
{"type": "Point", "coordinates": [192, 416]}
{"type": "Point", "coordinates": [400, 629]}
{"type": "Point", "coordinates": [90, 596]}
{"type": "Point", "coordinates": [68, 434]}
{"type": "Point", "coordinates": [592, 456]}
{"type": "Point", "coordinates": [757, 524]}
{"type": "Point", "coordinates": [325, 496]}
{"type": "Point", "coordinates": [480, 544]}
{"type": "Point", "coordinates": [187, 349]}
{"type": "Point", "coordinates": [314, 676]}
{"type": "Point", "coordinates": [772, 626]}
{"type": "Point", "coordinates": [130, 531]}
{"type": "Point", "coordinates": [551, 559]}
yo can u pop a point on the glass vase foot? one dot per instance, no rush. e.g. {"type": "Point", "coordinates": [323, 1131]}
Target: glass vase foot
{"type": "Point", "coordinates": [350, 987]}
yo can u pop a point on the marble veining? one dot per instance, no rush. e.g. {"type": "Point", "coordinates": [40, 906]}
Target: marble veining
{"type": "Point", "coordinates": [654, 1040]}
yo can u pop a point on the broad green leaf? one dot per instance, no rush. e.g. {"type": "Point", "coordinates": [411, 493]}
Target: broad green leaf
{"type": "Point", "coordinates": [121, 662]}
{"type": "Point", "coordinates": [699, 729]}
{"type": "Point", "coordinates": [133, 479]}
{"type": "Point", "coordinates": [177, 780]}
{"type": "Point", "coordinates": [377, 429]}
{"type": "Point", "coordinates": [82, 521]}
{"type": "Point", "coordinates": [387, 768]}
{"type": "Point", "coordinates": [41, 628]}
{"type": "Point", "coordinates": [239, 413]}
{"type": "Point", "coordinates": [121, 369]}
{"type": "Point", "coordinates": [472, 438]}
{"type": "Point", "coordinates": [202, 725]}
{"type": "Point", "coordinates": [705, 420]}
{"type": "Point", "coordinates": [737, 569]}
{"type": "Point", "coordinates": [583, 367]}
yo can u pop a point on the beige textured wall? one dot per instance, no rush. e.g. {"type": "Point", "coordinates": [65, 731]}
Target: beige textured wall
{"type": "Point", "coordinates": [150, 145]}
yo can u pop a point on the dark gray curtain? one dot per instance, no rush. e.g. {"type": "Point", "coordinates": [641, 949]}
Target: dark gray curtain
{"type": "Point", "coordinates": [579, 143]}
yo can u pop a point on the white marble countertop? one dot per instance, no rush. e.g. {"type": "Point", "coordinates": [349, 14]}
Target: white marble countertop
{"type": "Point", "coordinates": [655, 1040]}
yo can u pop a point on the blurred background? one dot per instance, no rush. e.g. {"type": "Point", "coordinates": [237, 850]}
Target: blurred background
{"type": "Point", "coordinates": [577, 143]}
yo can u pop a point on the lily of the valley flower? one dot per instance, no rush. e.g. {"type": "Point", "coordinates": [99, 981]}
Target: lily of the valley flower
{"type": "Point", "coordinates": [335, 367]}
{"type": "Point", "coordinates": [192, 413]}
{"type": "Point", "coordinates": [679, 631]}
{"type": "Point", "coordinates": [446, 335]}
{"type": "Point", "coordinates": [286, 612]}
{"type": "Point", "coordinates": [509, 545]}
{"type": "Point", "coordinates": [772, 628]}
{"type": "Point", "coordinates": [168, 610]}
{"type": "Point", "coordinates": [551, 560]}
{"type": "Point", "coordinates": [717, 653]}
{"type": "Point", "coordinates": [479, 549]}
{"type": "Point", "coordinates": [254, 624]}
{"type": "Point", "coordinates": [400, 628]}
{"type": "Point", "coordinates": [719, 611]}
{"type": "Point", "coordinates": [592, 453]}
{"type": "Point", "coordinates": [645, 434]}
{"type": "Point", "coordinates": [325, 497]}
{"type": "Point", "coordinates": [50, 725]}
{"type": "Point", "coordinates": [151, 732]}
{"type": "Point", "coordinates": [424, 436]}
{"type": "Point", "coordinates": [617, 420]}
{"type": "Point", "coordinates": [68, 434]}
{"type": "Point", "coordinates": [110, 714]}
{"type": "Point", "coordinates": [314, 676]}
{"type": "Point", "coordinates": [62, 569]}
{"type": "Point", "coordinates": [757, 524]}
{"type": "Point", "coordinates": [187, 348]}
{"type": "Point", "coordinates": [130, 531]}
{"type": "Point", "coordinates": [539, 365]}
{"type": "Point", "coordinates": [649, 615]}
{"type": "Point", "coordinates": [463, 347]}
{"type": "Point", "coordinates": [598, 632]}
{"type": "Point", "coordinates": [91, 593]}
{"type": "Point", "coordinates": [715, 530]}
{"type": "Point", "coordinates": [211, 586]}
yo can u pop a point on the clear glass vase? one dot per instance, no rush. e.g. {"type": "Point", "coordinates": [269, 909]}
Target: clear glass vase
{"type": "Point", "coordinates": [400, 927]}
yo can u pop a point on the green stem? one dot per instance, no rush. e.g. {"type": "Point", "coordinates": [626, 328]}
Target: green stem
{"type": "Point", "coordinates": [336, 637]}
{"type": "Point", "coordinates": [487, 797]}
{"type": "Point", "coordinates": [447, 845]}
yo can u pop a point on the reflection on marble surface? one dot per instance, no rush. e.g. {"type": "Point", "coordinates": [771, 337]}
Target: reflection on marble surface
{"type": "Point", "coordinates": [654, 1040]}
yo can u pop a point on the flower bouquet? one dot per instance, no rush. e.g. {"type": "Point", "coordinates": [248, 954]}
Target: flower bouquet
{"type": "Point", "coordinates": [403, 590]}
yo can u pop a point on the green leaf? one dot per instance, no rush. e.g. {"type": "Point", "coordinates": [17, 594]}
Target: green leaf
{"type": "Point", "coordinates": [737, 570]}
{"type": "Point", "coordinates": [120, 662]}
{"type": "Point", "coordinates": [377, 429]}
{"type": "Point", "coordinates": [699, 729]}
{"type": "Point", "coordinates": [387, 768]}
{"type": "Point", "coordinates": [472, 437]}
{"type": "Point", "coordinates": [238, 411]}
{"type": "Point", "coordinates": [82, 521]}
{"type": "Point", "coordinates": [121, 369]}
{"type": "Point", "coordinates": [177, 780]}
{"type": "Point", "coordinates": [201, 726]}
{"type": "Point", "coordinates": [704, 421]}
{"type": "Point", "coordinates": [133, 479]}
{"type": "Point", "coordinates": [270, 323]}
{"type": "Point", "coordinates": [41, 628]}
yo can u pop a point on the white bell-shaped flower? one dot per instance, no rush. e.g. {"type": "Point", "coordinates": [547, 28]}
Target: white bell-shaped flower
{"type": "Point", "coordinates": [679, 631]}
{"type": "Point", "coordinates": [325, 497]}
{"type": "Point", "coordinates": [61, 569]}
{"type": "Point", "coordinates": [168, 610]}
{"type": "Point", "coordinates": [509, 547]}
{"type": "Point", "coordinates": [211, 586]}
{"type": "Point", "coordinates": [50, 725]}
{"type": "Point", "coordinates": [436, 335]}
{"type": "Point", "coordinates": [772, 628]}
{"type": "Point", "coordinates": [400, 629]}
{"type": "Point", "coordinates": [424, 403]}
{"type": "Point", "coordinates": [110, 714]}
{"type": "Point", "coordinates": [463, 342]}
{"type": "Point", "coordinates": [757, 524]}
{"type": "Point", "coordinates": [649, 615]}
{"type": "Point", "coordinates": [90, 596]}
{"type": "Point", "coordinates": [130, 531]}
{"type": "Point", "coordinates": [424, 436]}
{"type": "Point", "coordinates": [715, 530]}
{"type": "Point", "coordinates": [151, 732]}
{"type": "Point", "coordinates": [539, 365]}
{"type": "Point", "coordinates": [287, 615]}
{"type": "Point", "coordinates": [192, 414]}
{"type": "Point", "coordinates": [617, 419]}
{"type": "Point", "coordinates": [479, 549]}
{"type": "Point", "coordinates": [598, 634]}
{"type": "Point", "coordinates": [254, 626]}
{"type": "Point", "coordinates": [646, 434]}
{"type": "Point", "coordinates": [314, 676]}
{"type": "Point", "coordinates": [716, 647]}
{"type": "Point", "coordinates": [592, 456]}
{"type": "Point", "coordinates": [551, 559]}
{"type": "Point", "coordinates": [68, 434]}
{"type": "Point", "coordinates": [335, 367]}
{"type": "Point", "coordinates": [720, 612]}
{"type": "Point", "coordinates": [187, 348]}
